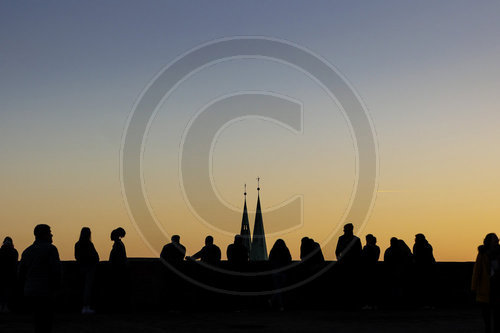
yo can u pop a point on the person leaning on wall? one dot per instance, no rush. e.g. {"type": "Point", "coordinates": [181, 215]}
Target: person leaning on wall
{"type": "Point", "coordinates": [485, 282]}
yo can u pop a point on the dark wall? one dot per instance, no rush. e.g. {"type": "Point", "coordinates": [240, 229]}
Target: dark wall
{"type": "Point", "coordinates": [148, 284]}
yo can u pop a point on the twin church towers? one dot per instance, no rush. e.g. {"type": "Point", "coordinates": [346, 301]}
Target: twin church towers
{"type": "Point", "coordinates": [257, 244]}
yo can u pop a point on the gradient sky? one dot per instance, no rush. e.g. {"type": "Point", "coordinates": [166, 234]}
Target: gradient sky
{"type": "Point", "coordinates": [428, 72]}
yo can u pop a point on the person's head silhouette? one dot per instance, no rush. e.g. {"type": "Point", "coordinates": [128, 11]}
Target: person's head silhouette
{"type": "Point", "coordinates": [43, 233]}
{"type": "Point", "coordinates": [7, 242]}
{"type": "Point", "coordinates": [371, 240]}
{"type": "Point", "coordinates": [238, 240]}
{"type": "Point", "coordinates": [394, 242]}
{"type": "Point", "coordinates": [349, 229]}
{"type": "Point", "coordinates": [490, 241]}
{"type": "Point", "coordinates": [176, 239]}
{"type": "Point", "coordinates": [117, 234]}
{"type": "Point", "coordinates": [420, 238]}
{"type": "Point", "coordinates": [279, 244]}
{"type": "Point", "coordinates": [209, 240]}
{"type": "Point", "coordinates": [85, 234]}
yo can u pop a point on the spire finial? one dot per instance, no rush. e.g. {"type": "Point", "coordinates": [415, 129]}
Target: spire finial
{"type": "Point", "coordinates": [245, 193]}
{"type": "Point", "coordinates": [258, 183]}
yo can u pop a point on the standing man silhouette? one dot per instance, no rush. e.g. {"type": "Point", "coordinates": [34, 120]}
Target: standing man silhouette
{"type": "Point", "coordinates": [348, 254]}
{"type": "Point", "coordinates": [173, 254]}
{"type": "Point", "coordinates": [348, 249]}
{"type": "Point", "coordinates": [40, 271]}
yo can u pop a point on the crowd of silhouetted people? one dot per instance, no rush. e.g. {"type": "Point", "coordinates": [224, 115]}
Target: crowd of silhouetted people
{"type": "Point", "coordinates": [39, 270]}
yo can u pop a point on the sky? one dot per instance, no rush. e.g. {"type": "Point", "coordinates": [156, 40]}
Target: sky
{"type": "Point", "coordinates": [428, 74]}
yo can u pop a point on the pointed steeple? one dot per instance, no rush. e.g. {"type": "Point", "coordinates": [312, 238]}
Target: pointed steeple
{"type": "Point", "coordinates": [258, 251]}
{"type": "Point", "coordinates": [245, 226]}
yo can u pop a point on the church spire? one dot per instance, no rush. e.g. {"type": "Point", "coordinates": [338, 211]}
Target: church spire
{"type": "Point", "coordinates": [258, 250]}
{"type": "Point", "coordinates": [245, 226]}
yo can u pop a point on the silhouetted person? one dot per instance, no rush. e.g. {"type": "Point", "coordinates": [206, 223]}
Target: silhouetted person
{"type": "Point", "coordinates": [118, 254]}
{"type": "Point", "coordinates": [424, 261]}
{"type": "Point", "coordinates": [485, 282]}
{"type": "Point", "coordinates": [87, 258]}
{"type": "Point", "coordinates": [312, 260]}
{"type": "Point", "coordinates": [8, 273]}
{"type": "Point", "coordinates": [306, 248]}
{"type": "Point", "coordinates": [318, 257]}
{"type": "Point", "coordinates": [310, 252]}
{"type": "Point", "coordinates": [237, 257]}
{"type": "Point", "coordinates": [210, 253]}
{"type": "Point", "coordinates": [173, 252]}
{"type": "Point", "coordinates": [371, 252]}
{"type": "Point", "coordinates": [369, 257]}
{"type": "Point", "coordinates": [397, 259]}
{"type": "Point", "coordinates": [398, 253]}
{"type": "Point", "coordinates": [392, 253]}
{"type": "Point", "coordinates": [237, 253]}
{"type": "Point", "coordinates": [348, 249]}
{"type": "Point", "coordinates": [393, 264]}
{"type": "Point", "coordinates": [348, 252]}
{"type": "Point", "coordinates": [422, 251]}
{"type": "Point", "coordinates": [40, 272]}
{"type": "Point", "coordinates": [279, 257]}
{"type": "Point", "coordinates": [119, 270]}
{"type": "Point", "coordinates": [406, 252]}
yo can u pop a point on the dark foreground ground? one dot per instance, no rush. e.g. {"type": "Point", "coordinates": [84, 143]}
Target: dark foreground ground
{"type": "Point", "coordinates": [387, 321]}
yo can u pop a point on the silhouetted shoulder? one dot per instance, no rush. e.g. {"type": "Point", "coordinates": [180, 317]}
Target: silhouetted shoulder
{"type": "Point", "coordinates": [40, 248]}
{"type": "Point", "coordinates": [8, 254]}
